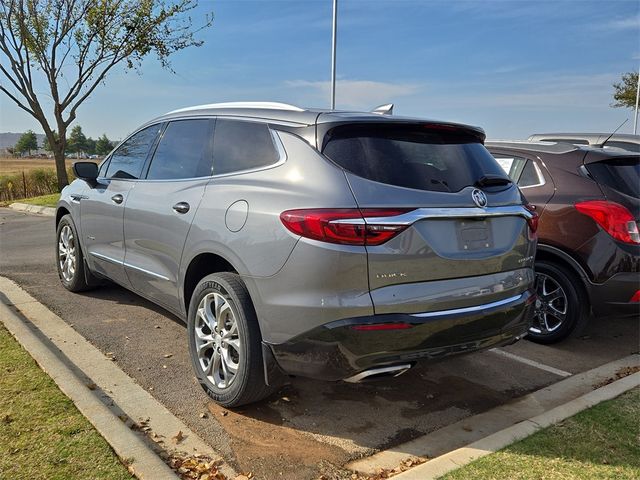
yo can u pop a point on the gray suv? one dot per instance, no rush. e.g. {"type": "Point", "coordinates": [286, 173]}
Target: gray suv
{"type": "Point", "coordinates": [327, 244]}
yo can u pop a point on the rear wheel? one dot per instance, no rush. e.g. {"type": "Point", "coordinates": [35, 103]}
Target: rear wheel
{"type": "Point", "coordinates": [69, 257]}
{"type": "Point", "coordinates": [225, 341]}
{"type": "Point", "coordinates": [561, 306]}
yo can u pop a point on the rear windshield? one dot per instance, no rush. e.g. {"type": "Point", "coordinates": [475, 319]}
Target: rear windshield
{"type": "Point", "coordinates": [621, 174]}
{"type": "Point", "coordinates": [412, 156]}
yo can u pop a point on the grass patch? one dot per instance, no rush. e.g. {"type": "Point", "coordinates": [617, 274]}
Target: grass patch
{"type": "Point", "coordinates": [42, 434]}
{"type": "Point", "coordinates": [601, 442]}
{"type": "Point", "coordinates": [43, 200]}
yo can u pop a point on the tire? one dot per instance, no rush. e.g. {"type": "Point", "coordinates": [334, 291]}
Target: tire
{"type": "Point", "coordinates": [69, 256]}
{"type": "Point", "coordinates": [235, 346]}
{"type": "Point", "coordinates": [561, 307]}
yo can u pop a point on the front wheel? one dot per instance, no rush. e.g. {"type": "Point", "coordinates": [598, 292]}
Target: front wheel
{"type": "Point", "coordinates": [69, 257]}
{"type": "Point", "coordinates": [225, 341]}
{"type": "Point", "coordinates": [561, 306]}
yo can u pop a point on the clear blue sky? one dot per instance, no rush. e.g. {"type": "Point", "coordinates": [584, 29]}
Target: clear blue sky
{"type": "Point", "coordinates": [512, 67]}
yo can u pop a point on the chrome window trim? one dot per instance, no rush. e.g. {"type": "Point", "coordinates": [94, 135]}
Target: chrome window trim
{"type": "Point", "coordinates": [454, 212]}
{"type": "Point", "coordinates": [475, 308]}
{"type": "Point", "coordinates": [541, 179]}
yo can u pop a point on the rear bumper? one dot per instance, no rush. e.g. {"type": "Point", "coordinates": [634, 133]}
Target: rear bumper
{"type": "Point", "coordinates": [612, 297]}
{"type": "Point", "coordinates": [337, 350]}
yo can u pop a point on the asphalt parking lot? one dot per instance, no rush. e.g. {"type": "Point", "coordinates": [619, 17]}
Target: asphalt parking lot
{"type": "Point", "coordinates": [307, 425]}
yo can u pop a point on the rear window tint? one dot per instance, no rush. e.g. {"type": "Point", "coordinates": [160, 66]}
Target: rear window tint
{"type": "Point", "coordinates": [411, 156]}
{"type": "Point", "coordinates": [621, 174]}
{"type": "Point", "coordinates": [239, 146]}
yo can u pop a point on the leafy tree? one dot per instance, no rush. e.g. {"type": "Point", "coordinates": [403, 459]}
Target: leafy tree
{"type": "Point", "coordinates": [27, 142]}
{"type": "Point", "coordinates": [77, 142]}
{"type": "Point", "coordinates": [90, 146]}
{"type": "Point", "coordinates": [71, 45]}
{"type": "Point", "coordinates": [103, 145]}
{"type": "Point", "coordinates": [624, 92]}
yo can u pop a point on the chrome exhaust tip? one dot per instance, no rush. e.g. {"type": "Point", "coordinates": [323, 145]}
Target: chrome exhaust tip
{"type": "Point", "coordinates": [373, 373]}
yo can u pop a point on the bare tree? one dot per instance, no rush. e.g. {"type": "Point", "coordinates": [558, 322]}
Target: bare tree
{"type": "Point", "coordinates": [73, 44]}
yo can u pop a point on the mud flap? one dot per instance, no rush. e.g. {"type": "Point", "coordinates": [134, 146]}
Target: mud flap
{"type": "Point", "coordinates": [273, 374]}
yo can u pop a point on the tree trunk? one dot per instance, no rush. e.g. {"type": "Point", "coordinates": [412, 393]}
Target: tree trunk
{"type": "Point", "coordinates": [61, 168]}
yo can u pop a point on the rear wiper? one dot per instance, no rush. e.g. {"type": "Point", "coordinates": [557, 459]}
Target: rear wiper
{"type": "Point", "coordinates": [492, 181]}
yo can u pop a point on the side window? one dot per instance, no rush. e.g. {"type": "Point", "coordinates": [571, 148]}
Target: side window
{"type": "Point", "coordinates": [241, 146]}
{"type": "Point", "coordinates": [512, 165]}
{"type": "Point", "coordinates": [127, 161]}
{"type": "Point", "coordinates": [184, 151]}
{"type": "Point", "coordinates": [531, 175]}
{"type": "Point", "coordinates": [103, 168]}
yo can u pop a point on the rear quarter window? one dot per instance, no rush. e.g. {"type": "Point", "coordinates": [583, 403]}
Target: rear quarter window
{"type": "Point", "coordinates": [240, 145]}
{"type": "Point", "coordinates": [412, 156]}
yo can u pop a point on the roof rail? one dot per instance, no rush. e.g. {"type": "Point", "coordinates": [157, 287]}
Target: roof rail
{"type": "Point", "coordinates": [264, 105]}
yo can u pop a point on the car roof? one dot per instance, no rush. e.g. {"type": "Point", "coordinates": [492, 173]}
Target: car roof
{"type": "Point", "coordinates": [291, 114]}
{"type": "Point", "coordinates": [591, 137]}
{"type": "Point", "coordinates": [557, 148]}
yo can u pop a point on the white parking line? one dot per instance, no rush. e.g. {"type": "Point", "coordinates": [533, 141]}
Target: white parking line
{"type": "Point", "coordinates": [532, 363]}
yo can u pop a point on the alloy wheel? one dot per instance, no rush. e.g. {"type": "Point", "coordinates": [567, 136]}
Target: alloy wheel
{"type": "Point", "coordinates": [67, 253]}
{"type": "Point", "coordinates": [551, 305]}
{"type": "Point", "coordinates": [217, 340]}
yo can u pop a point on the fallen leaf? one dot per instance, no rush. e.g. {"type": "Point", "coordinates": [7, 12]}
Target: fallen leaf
{"type": "Point", "coordinates": [92, 386]}
{"type": "Point", "coordinates": [123, 417]}
{"type": "Point", "coordinates": [467, 428]}
{"type": "Point", "coordinates": [164, 366]}
{"type": "Point", "coordinates": [224, 413]}
{"type": "Point", "coordinates": [156, 326]}
{"type": "Point", "coordinates": [178, 437]}
{"type": "Point", "coordinates": [203, 415]}
{"type": "Point", "coordinates": [286, 399]}
{"type": "Point", "coordinates": [168, 355]}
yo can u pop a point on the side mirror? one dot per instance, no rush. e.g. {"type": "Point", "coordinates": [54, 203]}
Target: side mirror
{"type": "Point", "coordinates": [87, 171]}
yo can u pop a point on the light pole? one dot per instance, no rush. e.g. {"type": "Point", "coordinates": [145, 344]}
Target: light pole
{"type": "Point", "coordinates": [635, 115]}
{"type": "Point", "coordinates": [333, 54]}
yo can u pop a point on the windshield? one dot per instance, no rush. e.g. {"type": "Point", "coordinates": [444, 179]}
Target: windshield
{"type": "Point", "coordinates": [425, 157]}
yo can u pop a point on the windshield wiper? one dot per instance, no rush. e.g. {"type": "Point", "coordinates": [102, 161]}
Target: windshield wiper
{"type": "Point", "coordinates": [493, 181]}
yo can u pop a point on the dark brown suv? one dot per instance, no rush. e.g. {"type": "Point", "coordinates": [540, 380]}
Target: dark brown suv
{"type": "Point", "coordinates": [588, 257]}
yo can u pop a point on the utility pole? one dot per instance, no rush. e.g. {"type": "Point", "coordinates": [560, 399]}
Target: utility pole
{"type": "Point", "coordinates": [635, 115]}
{"type": "Point", "coordinates": [333, 55]}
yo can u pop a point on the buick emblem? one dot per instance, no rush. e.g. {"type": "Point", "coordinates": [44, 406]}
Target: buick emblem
{"type": "Point", "coordinates": [479, 198]}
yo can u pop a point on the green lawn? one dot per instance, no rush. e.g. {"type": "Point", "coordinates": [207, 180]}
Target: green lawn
{"type": "Point", "coordinates": [42, 434]}
{"type": "Point", "coordinates": [600, 443]}
{"type": "Point", "coordinates": [44, 200]}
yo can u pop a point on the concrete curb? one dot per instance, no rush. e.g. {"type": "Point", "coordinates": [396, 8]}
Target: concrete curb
{"type": "Point", "coordinates": [100, 390]}
{"type": "Point", "coordinates": [26, 208]}
{"type": "Point", "coordinates": [481, 425]}
{"type": "Point", "coordinates": [499, 440]}
{"type": "Point", "coordinates": [142, 461]}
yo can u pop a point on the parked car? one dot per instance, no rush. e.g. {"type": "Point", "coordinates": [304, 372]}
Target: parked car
{"type": "Point", "coordinates": [332, 245]}
{"type": "Point", "coordinates": [619, 140]}
{"type": "Point", "coordinates": [588, 258]}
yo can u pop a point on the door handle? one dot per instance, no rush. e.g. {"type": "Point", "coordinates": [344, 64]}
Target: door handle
{"type": "Point", "coordinates": [117, 198]}
{"type": "Point", "coordinates": [181, 207]}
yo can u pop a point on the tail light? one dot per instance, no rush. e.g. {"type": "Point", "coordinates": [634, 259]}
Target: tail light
{"type": "Point", "coordinates": [533, 221]}
{"type": "Point", "coordinates": [635, 298]}
{"type": "Point", "coordinates": [614, 219]}
{"type": "Point", "coordinates": [344, 226]}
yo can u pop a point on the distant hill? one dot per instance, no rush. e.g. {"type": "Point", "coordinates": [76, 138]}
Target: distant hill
{"type": "Point", "coordinates": [9, 139]}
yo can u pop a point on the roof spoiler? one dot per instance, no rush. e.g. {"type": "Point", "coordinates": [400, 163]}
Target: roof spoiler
{"type": "Point", "coordinates": [386, 109]}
